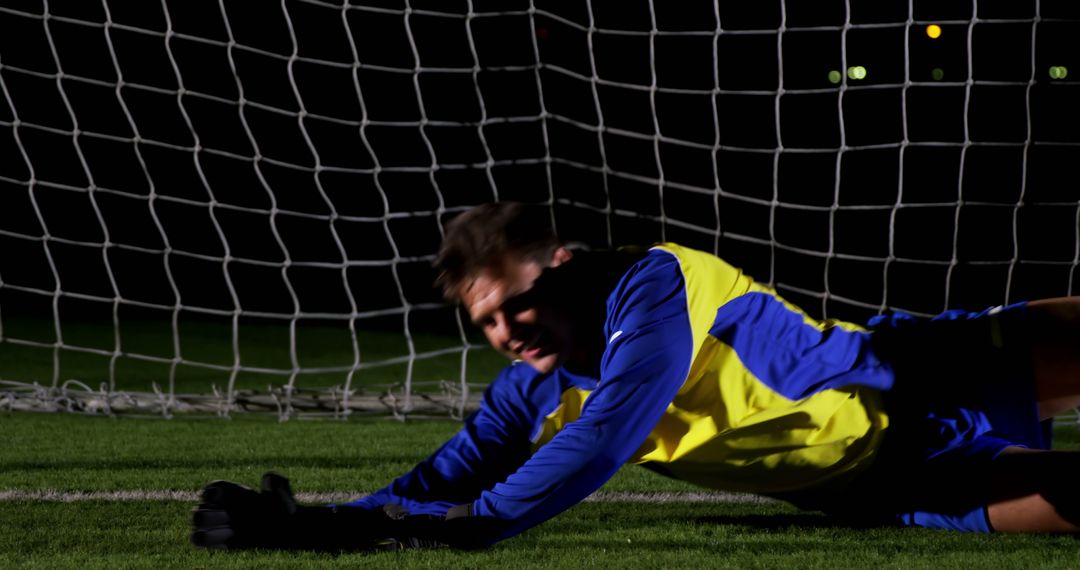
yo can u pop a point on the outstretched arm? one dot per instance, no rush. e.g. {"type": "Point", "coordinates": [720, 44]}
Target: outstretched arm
{"type": "Point", "coordinates": [492, 443]}
{"type": "Point", "coordinates": [407, 513]}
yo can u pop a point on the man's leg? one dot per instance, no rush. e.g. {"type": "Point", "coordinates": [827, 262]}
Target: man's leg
{"type": "Point", "coordinates": [1034, 491]}
{"type": "Point", "coordinates": [1055, 340]}
{"type": "Point", "coordinates": [1037, 489]}
{"type": "Point", "coordinates": [1029, 490]}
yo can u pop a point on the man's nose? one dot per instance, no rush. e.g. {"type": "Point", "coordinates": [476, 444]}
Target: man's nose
{"type": "Point", "coordinates": [501, 333]}
{"type": "Point", "coordinates": [509, 332]}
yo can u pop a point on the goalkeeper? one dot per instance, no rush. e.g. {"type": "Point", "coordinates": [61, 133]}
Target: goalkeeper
{"type": "Point", "coordinates": [674, 360]}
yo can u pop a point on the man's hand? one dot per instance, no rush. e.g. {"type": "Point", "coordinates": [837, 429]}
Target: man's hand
{"type": "Point", "coordinates": [232, 516]}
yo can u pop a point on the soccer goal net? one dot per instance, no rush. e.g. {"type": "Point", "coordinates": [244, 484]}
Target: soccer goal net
{"type": "Point", "coordinates": [217, 206]}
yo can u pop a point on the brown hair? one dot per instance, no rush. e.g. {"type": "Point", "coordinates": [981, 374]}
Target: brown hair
{"type": "Point", "coordinates": [484, 237]}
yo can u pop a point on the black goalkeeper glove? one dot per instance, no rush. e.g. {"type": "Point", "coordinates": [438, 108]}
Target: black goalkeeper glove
{"type": "Point", "coordinates": [232, 516]}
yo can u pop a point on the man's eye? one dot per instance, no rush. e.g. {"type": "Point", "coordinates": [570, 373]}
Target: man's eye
{"type": "Point", "coordinates": [520, 303]}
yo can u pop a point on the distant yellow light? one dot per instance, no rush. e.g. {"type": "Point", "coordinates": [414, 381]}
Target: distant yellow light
{"type": "Point", "coordinates": [856, 72]}
{"type": "Point", "coordinates": [1059, 72]}
{"type": "Point", "coordinates": [835, 77]}
{"type": "Point", "coordinates": [934, 31]}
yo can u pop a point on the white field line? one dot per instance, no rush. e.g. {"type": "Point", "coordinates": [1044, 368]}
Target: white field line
{"type": "Point", "coordinates": [191, 496]}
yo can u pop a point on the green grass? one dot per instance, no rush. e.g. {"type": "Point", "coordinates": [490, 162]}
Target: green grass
{"type": "Point", "coordinates": [78, 453]}
{"type": "Point", "coordinates": [71, 453]}
{"type": "Point", "coordinates": [153, 535]}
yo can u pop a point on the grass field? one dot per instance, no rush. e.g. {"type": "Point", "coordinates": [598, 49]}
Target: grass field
{"type": "Point", "coordinates": [115, 492]}
{"type": "Point", "coordinates": [73, 494]}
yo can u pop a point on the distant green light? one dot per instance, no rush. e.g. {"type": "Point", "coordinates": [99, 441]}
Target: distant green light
{"type": "Point", "coordinates": [937, 74]}
{"type": "Point", "coordinates": [1058, 72]}
{"type": "Point", "coordinates": [856, 72]}
{"type": "Point", "coordinates": [835, 77]}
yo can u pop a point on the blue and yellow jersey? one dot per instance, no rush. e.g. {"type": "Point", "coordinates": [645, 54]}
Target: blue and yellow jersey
{"type": "Point", "coordinates": [707, 376]}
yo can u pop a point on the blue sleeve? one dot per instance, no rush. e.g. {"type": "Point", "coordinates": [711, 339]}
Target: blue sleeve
{"type": "Point", "coordinates": [645, 363]}
{"type": "Point", "coordinates": [493, 443]}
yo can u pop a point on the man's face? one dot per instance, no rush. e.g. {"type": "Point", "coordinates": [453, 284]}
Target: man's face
{"type": "Point", "coordinates": [520, 322]}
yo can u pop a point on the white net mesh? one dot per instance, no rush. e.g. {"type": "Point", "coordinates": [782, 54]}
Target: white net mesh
{"type": "Point", "coordinates": [204, 208]}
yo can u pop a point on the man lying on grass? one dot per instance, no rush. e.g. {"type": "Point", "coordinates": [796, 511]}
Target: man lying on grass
{"type": "Point", "coordinates": [674, 360]}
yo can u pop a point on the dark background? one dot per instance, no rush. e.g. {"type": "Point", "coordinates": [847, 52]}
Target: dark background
{"type": "Point", "coordinates": [297, 160]}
